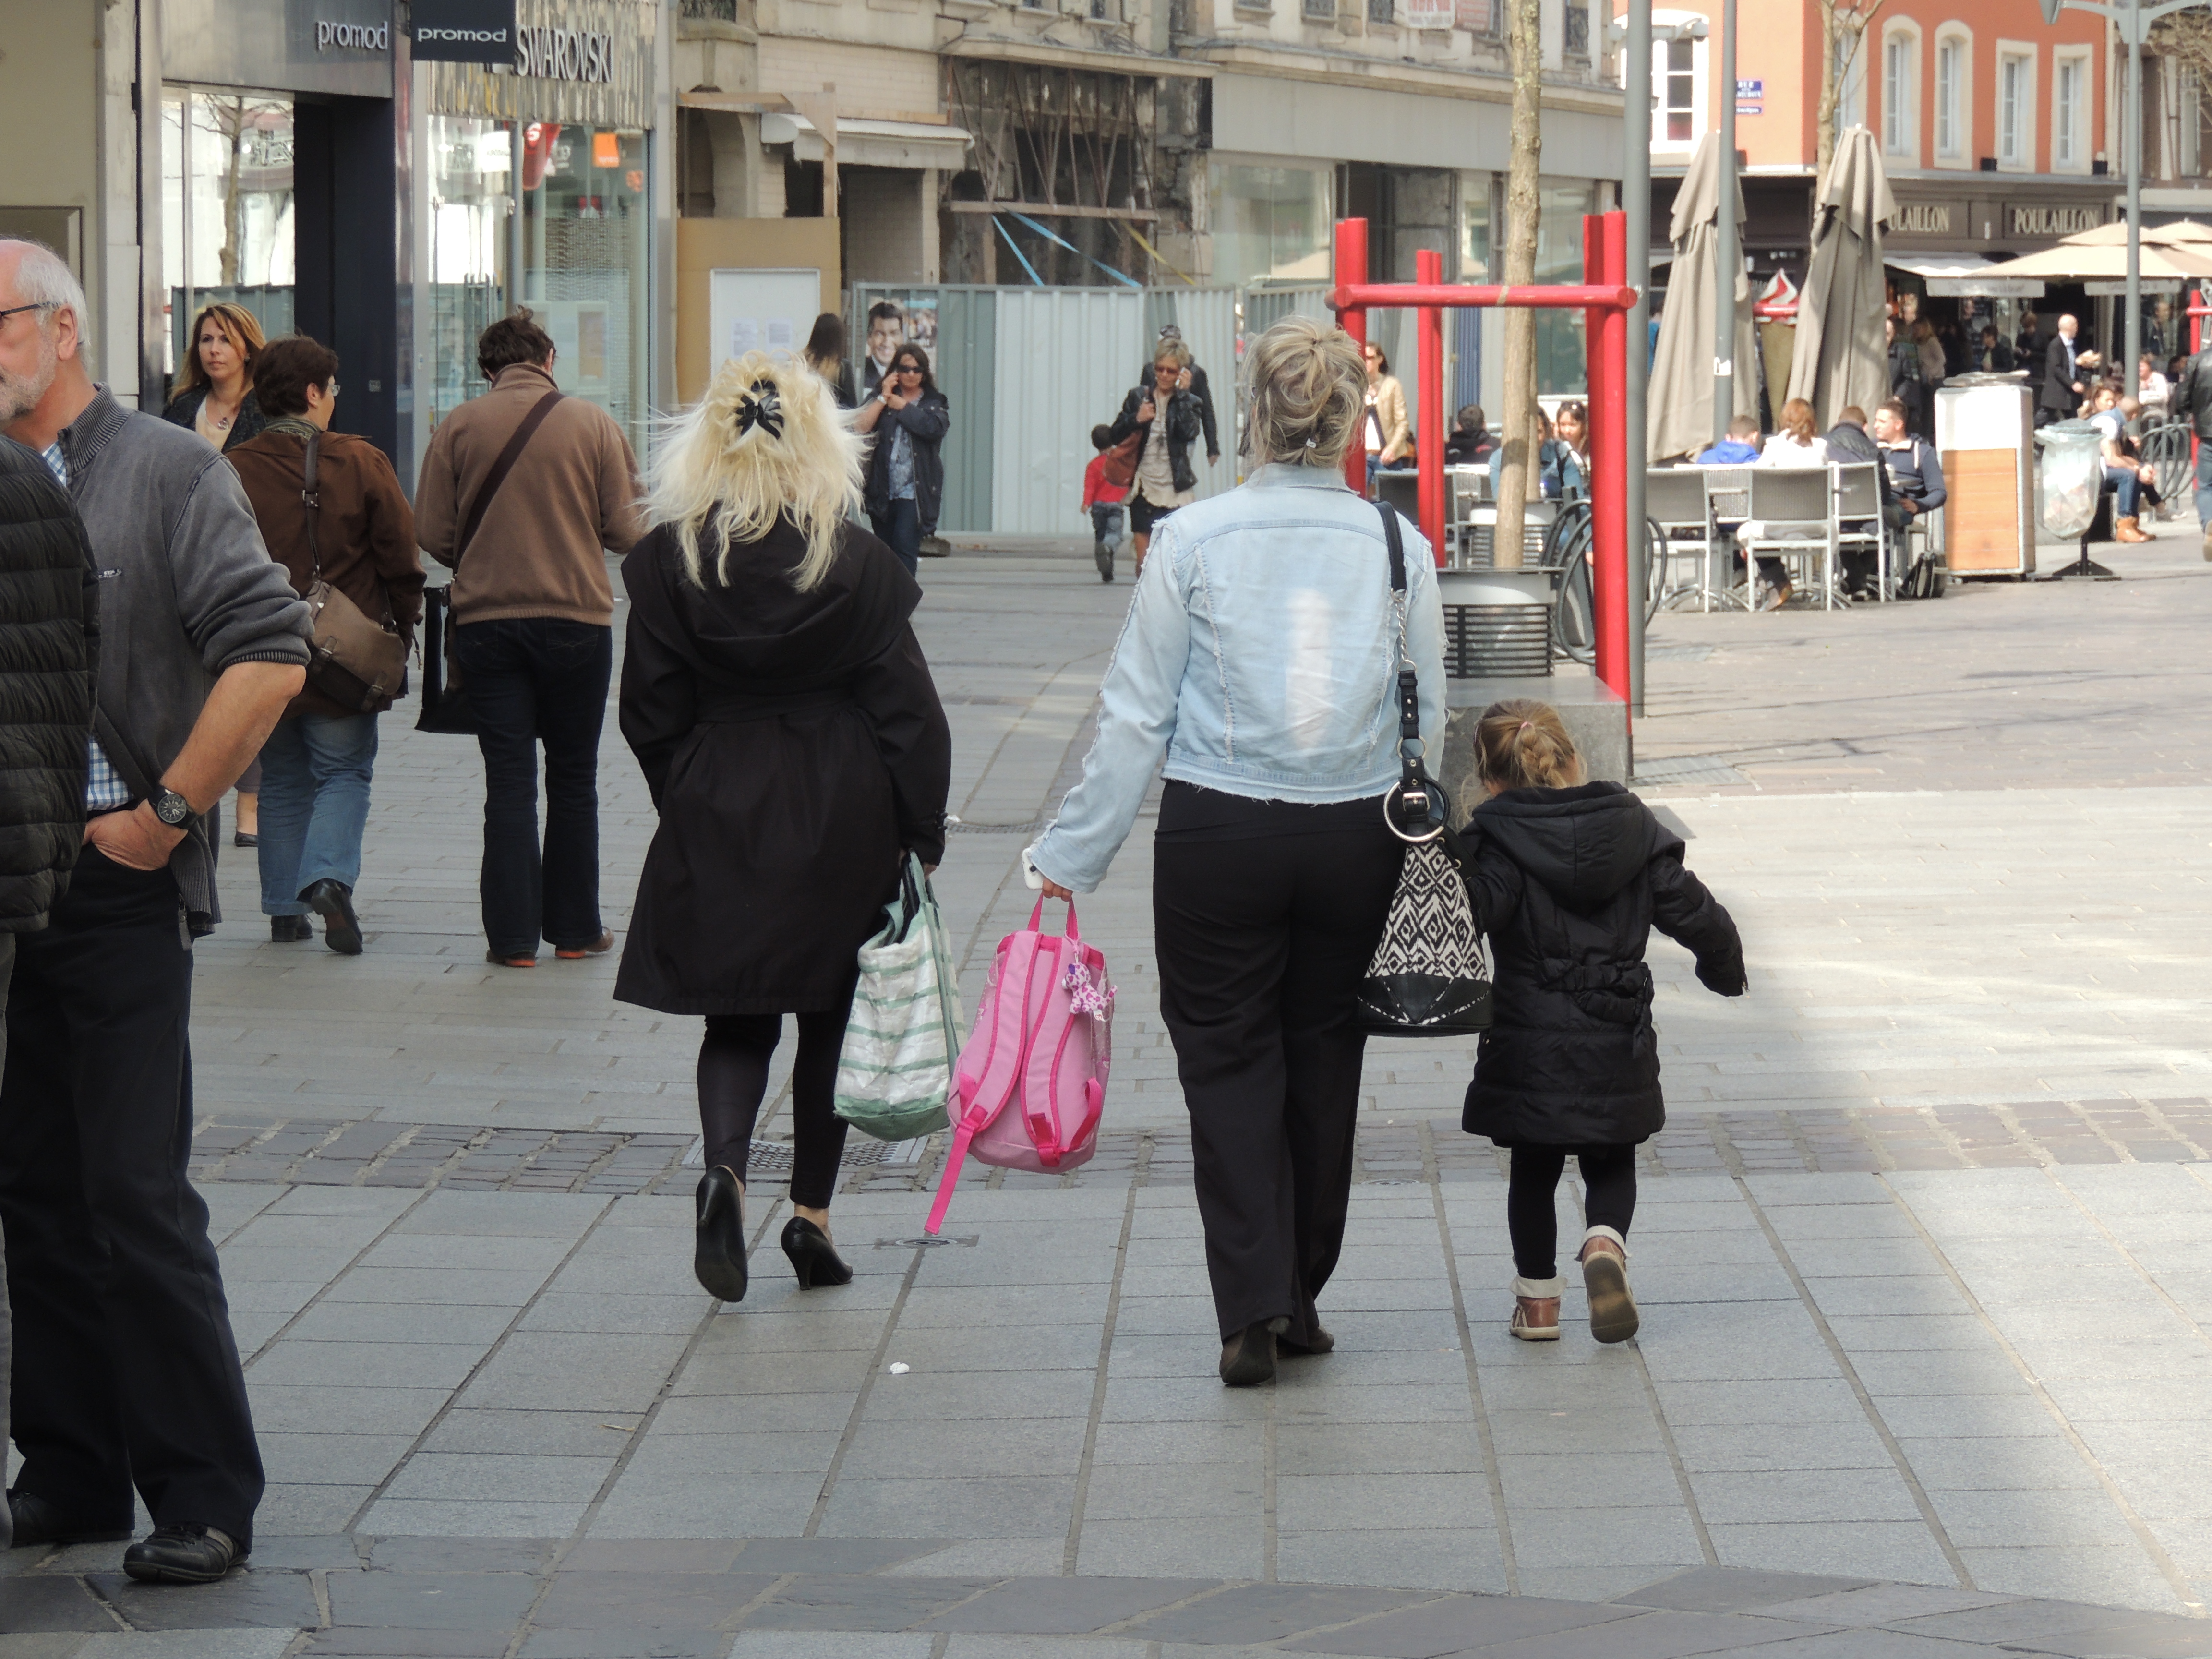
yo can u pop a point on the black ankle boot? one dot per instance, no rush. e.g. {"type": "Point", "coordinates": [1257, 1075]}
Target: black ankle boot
{"type": "Point", "coordinates": [718, 1256]}
{"type": "Point", "coordinates": [1248, 1358]}
{"type": "Point", "coordinates": [813, 1257]}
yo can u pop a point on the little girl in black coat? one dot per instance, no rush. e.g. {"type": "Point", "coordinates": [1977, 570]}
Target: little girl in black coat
{"type": "Point", "coordinates": [1568, 879]}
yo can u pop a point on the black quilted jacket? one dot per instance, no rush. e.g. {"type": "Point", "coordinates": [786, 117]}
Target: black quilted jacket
{"type": "Point", "coordinates": [1569, 883]}
{"type": "Point", "coordinates": [49, 640]}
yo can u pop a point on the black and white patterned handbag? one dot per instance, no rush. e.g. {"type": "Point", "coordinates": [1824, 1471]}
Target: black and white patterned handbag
{"type": "Point", "coordinates": [1430, 976]}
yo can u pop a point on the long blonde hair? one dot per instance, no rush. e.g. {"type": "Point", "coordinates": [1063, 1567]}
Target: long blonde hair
{"type": "Point", "coordinates": [765, 443]}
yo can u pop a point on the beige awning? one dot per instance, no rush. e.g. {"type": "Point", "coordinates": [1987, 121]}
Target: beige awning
{"type": "Point", "coordinates": [867, 143]}
{"type": "Point", "coordinates": [2107, 262]}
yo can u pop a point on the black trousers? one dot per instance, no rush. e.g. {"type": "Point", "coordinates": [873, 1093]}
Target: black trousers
{"type": "Point", "coordinates": [1262, 943]}
{"type": "Point", "coordinates": [532, 680]}
{"type": "Point", "coordinates": [124, 1371]}
{"type": "Point", "coordinates": [1608, 1200]}
{"type": "Point", "coordinates": [733, 1062]}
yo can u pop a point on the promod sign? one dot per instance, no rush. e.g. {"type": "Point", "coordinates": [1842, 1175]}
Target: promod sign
{"type": "Point", "coordinates": [464, 32]}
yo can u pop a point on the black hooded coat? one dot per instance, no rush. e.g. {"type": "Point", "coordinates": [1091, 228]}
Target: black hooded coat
{"type": "Point", "coordinates": [795, 747]}
{"type": "Point", "coordinates": [1569, 883]}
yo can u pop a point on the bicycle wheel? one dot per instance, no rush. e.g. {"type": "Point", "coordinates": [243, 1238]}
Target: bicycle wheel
{"type": "Point", "coordinates": [1574, 616]}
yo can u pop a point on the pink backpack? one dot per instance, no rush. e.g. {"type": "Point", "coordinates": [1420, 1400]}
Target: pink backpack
{"type": "Point", "coordinates": [1042, 1046]}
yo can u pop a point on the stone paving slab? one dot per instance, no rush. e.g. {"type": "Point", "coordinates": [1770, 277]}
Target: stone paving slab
{"type": "Point", "coordinates": [665, 1599]}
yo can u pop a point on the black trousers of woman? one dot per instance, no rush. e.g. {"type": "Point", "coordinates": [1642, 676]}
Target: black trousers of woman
{"type": "Point", "coordinates": [1608, 1200]}
{"type": "Point", "coordinates": [1264, 916]}
{"type": "Point", "coordinates": [733, 1081]}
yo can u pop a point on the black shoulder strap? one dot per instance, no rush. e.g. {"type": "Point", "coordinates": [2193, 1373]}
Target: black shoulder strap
{"type": "Point", "coordinates": [501, 467]}
{"type": "Point", "coordinates": [1397, 545]}
{"type": "Point", "coordinates": [311, 497]}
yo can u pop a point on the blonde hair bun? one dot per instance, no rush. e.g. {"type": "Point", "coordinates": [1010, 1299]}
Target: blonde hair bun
{"type": "Point", "coordinates": [1308, 390]}
{"type": "Point", "coordinates": [1521, 744]}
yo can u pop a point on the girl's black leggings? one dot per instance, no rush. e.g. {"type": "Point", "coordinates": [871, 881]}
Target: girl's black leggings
{"type": "Point", "coordinates": [1608, 1200]}
{"type": "Point", "coordinates": [733, 1081]}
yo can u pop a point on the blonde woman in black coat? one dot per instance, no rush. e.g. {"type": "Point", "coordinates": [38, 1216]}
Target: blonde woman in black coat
{"type": "Point", "coordinates": [780, 705]}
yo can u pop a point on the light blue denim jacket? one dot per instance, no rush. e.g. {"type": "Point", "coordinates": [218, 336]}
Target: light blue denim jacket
{"type": "Point", "coordinates": [1260, 657]}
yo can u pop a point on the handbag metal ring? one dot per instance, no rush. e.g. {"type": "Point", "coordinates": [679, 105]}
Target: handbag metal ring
{"type": "Point", "coordinates": [1396, 789]}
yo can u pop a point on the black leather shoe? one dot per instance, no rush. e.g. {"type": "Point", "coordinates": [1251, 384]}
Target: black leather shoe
{"type": "Point", "coordinates": [814, 1258]}
{"type": "Point", "coordinates": [38, 1521]}
{"type": "Point", "coordinates": [1322, 1342]}
{"type": "Point", "coordinates": [333, 902]}
{"type": "Point", "coordinates": [718, 1256]}
{"type": "Point", "coordinates": [182, 1555]}
{"type": "Point", "coordinates": [289, 930]}
{"type": "Point", "coordinates": [1248, 1358]}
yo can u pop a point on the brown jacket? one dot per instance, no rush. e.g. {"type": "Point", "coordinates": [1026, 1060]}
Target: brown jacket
{"type": "Point", "coordinates": [573, 492]}
{"type": "Point", "coordinates": [365, 531]}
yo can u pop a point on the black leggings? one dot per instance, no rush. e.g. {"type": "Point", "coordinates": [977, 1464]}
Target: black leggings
{"type": "Point", "coordinates": [733, 1081]}
{"type": "Point", "coordinates": [1608, 1200]}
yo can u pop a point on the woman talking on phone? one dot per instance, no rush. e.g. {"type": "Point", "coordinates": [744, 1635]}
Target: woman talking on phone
{"type": "Point", "coordinates": [905, 486]}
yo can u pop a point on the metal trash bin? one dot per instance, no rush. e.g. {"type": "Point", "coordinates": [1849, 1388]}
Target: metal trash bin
{"type": "Point", "coordinates": [1498, 624]}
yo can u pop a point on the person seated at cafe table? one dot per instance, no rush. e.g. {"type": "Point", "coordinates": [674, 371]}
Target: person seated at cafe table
{"type": "Point", "coordinates": [1915, 475]}
{"type": "Point", "coordinates": [1849, 444]}
{"type": "Point", "coordinates": [1741, 448]}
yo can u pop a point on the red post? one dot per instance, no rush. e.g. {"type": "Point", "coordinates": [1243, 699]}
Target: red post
{"type": "Point", "coordinates": [1352, 272]}
{"type": "Point", "coordinates": [1429, 441]}
{"type": "Point", "coordinates": [1605, 254]}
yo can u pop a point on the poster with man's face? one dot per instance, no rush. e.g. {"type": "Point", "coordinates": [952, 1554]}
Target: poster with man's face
{"type": "Point", "coordinates": [892, 323]}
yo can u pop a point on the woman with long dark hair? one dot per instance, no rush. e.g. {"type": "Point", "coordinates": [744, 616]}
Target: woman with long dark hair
{"type": "Point", "coordinates": [776, 698]}
{"type": "Point", "coordinates": [825, 355]}
{"type": "Point", "coordinates": [214, 396]}
{"type": "Point", "coordinates": [910, 417]}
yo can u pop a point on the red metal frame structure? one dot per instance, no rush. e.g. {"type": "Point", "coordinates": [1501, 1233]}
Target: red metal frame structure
{"type": "Point", "coordinates": [1605, 297]}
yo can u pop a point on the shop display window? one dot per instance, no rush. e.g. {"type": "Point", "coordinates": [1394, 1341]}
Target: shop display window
{"type": "Point", "coordinates": [227, 207]}
{"type": "Point", "coordinates": [586, 223]}
{"type": "Point", "coordinates": [472, 206]}
{"type": "Point", "coordinates": [1269, 223]}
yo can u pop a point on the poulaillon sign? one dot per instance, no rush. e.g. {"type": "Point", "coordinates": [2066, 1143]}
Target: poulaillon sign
{"type": "Point", "coordinates": [465, 31]}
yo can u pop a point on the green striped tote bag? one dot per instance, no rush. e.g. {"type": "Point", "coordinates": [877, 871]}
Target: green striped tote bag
{"type": "Point", "coordinates": [895, 1071]}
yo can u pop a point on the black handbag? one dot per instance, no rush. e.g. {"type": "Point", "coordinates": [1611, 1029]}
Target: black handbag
{"type": "Point", "coordinates": [1429, 976]}
{"type": "Point", "coordinates": [446, 706]}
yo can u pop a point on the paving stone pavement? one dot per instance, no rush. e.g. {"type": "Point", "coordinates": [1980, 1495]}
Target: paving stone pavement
{"type": "Point", "coordinates": [1925, 1368]}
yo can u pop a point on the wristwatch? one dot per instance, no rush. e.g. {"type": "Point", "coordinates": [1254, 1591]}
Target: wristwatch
{"type": "Point", "coordinates": [172, 808]}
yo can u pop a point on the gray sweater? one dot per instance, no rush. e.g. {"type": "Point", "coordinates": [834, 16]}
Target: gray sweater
{"type": "Point", "coordinates": [187, 589]}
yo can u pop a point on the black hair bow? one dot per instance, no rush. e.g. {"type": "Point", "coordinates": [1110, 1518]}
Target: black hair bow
{"type": "Point", "coordinates": [761, 408]}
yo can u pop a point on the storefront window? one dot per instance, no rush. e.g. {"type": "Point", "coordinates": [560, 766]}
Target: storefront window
{"type": "Point", "coordinates": [585, 222]}
{"type": "Point", "coordinates": [470, 174]}
{"type": "Point", "coordinates": [1562, 361]}
{"type": "Point", "coordinates": [227, 207]}
{"type": "Point", "coordinates": [1269, 221]}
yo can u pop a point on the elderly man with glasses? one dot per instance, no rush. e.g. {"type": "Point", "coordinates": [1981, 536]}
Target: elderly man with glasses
{"type": "Point", "coordinates": [124, 1369]}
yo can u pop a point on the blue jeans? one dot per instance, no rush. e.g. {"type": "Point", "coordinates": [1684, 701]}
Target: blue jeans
{"type": "Point", "coordinates": [535, 679]}
{"type": "Point", "coordinates": [2128, 491]}
{"type": "Point", "coordinates": [2204, 482]}
{"type": "Point", "coordinates": [315, 772]}
{"type": "Point", "coordinates": [899, 526]}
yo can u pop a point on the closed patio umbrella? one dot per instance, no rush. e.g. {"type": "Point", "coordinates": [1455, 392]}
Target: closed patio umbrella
{"type": "Point", "coordinates": [1681, 398]}
{"type": "Point", "coordinates": [1841, 357]}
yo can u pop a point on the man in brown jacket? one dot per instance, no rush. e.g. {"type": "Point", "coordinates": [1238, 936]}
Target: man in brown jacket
{"type": "Point", "coordinates": [533, 636]}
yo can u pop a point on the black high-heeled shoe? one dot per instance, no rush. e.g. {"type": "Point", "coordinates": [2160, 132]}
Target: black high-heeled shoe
{"type": "Point", "coordinates": [718, 1256]}
{"type": "Point", "coordinates": [813, 1256]}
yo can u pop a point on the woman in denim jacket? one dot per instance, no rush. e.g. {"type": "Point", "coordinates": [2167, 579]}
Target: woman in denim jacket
{"type": "Point", "coordinates": [1259, 663]}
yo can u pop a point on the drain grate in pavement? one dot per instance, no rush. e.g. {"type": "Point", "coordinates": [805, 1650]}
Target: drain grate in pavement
{"type": "Point", "coordinates": [1688, 768]}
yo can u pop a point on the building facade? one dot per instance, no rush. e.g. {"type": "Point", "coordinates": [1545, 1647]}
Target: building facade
{"type": "Point", "coordinates": [2000, 133]}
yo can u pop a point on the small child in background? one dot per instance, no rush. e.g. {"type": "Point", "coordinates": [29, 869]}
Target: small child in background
{"type": "Point", "coordinates": [1102, 500]}
{"type": "Point", "coordinates": [1568, 879]}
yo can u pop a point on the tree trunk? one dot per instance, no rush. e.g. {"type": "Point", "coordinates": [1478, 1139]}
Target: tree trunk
{"type": "Point", "coordinates": [1824, 120]}
{"type": "Point", "coordinates": [1516, 434]}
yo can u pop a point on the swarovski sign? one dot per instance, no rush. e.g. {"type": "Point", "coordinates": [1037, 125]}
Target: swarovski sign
{"type": "Point", "coordinates": [565, 55]}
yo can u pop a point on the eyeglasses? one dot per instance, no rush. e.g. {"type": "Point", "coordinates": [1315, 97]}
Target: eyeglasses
{"type": "Point", "coordinates": [908, 369]}
{"type": "Point", "coordinates": [36, 305]}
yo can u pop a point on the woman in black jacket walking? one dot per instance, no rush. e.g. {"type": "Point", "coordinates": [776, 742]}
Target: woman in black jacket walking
{"type": "Point", "coordinates": [1165, 478]}
{"type": "Point", "coordinates": [779, 703]}
{"type": "Point", "coordinates": [1568, 879]}
{"type": "Point", "coordinates": [910, 417]}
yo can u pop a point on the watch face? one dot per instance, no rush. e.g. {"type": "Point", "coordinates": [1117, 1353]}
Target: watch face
{"type": "Point", "coordinates": [172, 808]}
